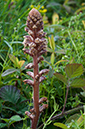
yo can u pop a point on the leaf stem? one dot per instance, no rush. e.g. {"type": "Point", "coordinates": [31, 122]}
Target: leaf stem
{"type": "Point", "coordinates": [65, 99]}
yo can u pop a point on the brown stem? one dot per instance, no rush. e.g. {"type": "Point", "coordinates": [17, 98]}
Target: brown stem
{"type": "Point", "coordinates": [65, 99]}
{"type": "Point", "coordinates": [35, 94]}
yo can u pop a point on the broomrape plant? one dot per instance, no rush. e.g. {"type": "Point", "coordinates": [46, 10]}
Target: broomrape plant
{"type": "Point", "coordinates": [37, 43]}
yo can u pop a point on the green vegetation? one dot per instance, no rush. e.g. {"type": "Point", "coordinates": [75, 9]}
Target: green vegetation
{"type": "Point", "coordinates": [64, 87]}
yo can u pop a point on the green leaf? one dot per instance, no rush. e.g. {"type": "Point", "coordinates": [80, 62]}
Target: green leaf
{"type": "Point", "coordinates": [50, 42]}
{"type": "Point", "coordinates": [6, 120]}
{"type": "Point", "coordinates": [9, 46]}
{"type": "Point", "coordinates": [50, 73]}
{"type": "Point", "coordinates": [49, 50]}
{"type": "Point", "coordinates": [2, 125]}
{"type": "Point", "coordinates": [9, 71]}
{"type": "Point", "coordinates": [74, 70]}
{"type": "Point", "coordinates": [53, 42]}
{"type": "Point", "coordinates": [10, 93]}
{"type": "Point", "coordinates": [52, 58]}
{"type": "Point", "coordinates": [16, 118]}
{"type": "Point", "coordinates": [77, 83]}
{"type": "Point", "coordinates": [61, 51]}
{"type": "Point", "coordinates": [80, 120]}
{"type": "Point", "coordinates": [61, 125]}
{"type": "Point", "coordinates": [20, 63]}
{"type": "Point", "coordinates": [73, 117]}
{"type": "Point", "coordinates": [14, 59]}
{"type": "Point", "coordinates": [61, 77]}
{"type": "Point", "coordinates": [20, 107]}
{"type": "Point", "coordinates": [82, 93]}
{"type": "Point", "coordinates": [12, 119]}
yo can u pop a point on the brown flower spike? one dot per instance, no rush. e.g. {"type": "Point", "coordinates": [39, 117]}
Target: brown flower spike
{"type": "Point", "coordinates": [36, 42]}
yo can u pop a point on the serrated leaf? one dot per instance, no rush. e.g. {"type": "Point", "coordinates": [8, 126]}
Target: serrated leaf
{"type": "Point", "coordinates": [10, 94]}
{"type": "Point", "coordinates": [77, 83]}
{"type": "Point", "coordinates": [9, 71]}
{"type": "Point", "coordinates": [61, 125]}
{"type": "Point", "coordinates": [19, 108]}
{"type": "Point", "coordinates": [61, 77]}
{"type": "Point", "coordinates": [73, 70]}
{"type": "Point", "coordinates": [52, 58]}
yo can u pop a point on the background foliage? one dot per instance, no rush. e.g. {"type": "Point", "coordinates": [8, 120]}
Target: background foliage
{"type": "Point", "coordinates": [64, 22]}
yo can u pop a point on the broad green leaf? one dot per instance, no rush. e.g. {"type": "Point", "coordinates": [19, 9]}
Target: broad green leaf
{"type": "Point", "coordinates": [61, 77]}
{"type": "Point", "coordinates": [61, 125]}
{"type": "Point", "coordinates": [10, 94]}
{"type": "Point", "coordinates": [73, 70]}
{"type": "Point", "coordinates": [77, 83]}
{"type": "Point", "coordinates": [16, 118]}
{"type": "Point", "coordinates": [52, 58]}
{"type": "Point", "coordinates": [2, 125]}
{"type": "Point", "coordinates": [12, 119]}
{"type": "Point", "coordinates": [9, 71]}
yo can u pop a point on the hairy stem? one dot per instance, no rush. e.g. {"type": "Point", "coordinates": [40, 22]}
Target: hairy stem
{"type": "Point", "coordinates": [35, 94]}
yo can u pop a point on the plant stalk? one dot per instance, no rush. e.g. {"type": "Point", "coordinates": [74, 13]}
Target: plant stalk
{"type": "Point", "coordinates": [65, 99]}
{"type": "Point", "coordinates": [35, 94]}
